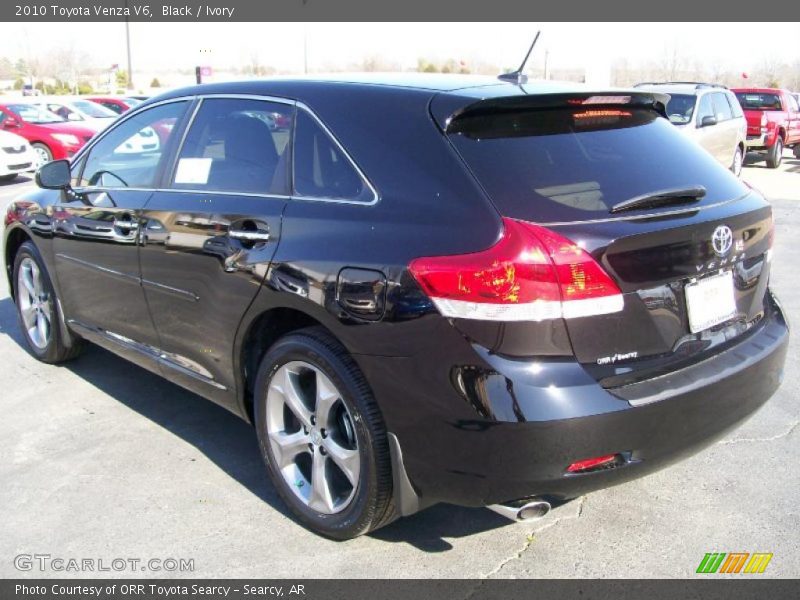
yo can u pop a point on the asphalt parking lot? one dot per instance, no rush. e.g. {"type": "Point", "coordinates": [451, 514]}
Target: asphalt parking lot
{"type": "Point", "coordinates": [100, 459]}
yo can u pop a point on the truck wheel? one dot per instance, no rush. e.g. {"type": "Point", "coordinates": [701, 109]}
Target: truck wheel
{"type": "Point", "coordinates": [775, 154]}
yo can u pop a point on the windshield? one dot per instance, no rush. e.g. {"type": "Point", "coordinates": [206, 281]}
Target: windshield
{"type": "Point", "coordinates": [680, 108]}
{"type": "Point", "coordinates": [33, 114]}
{"type": "Point", "coordinates": [93, 110]}
{"type": "Point", "coordinates": [575, 164]}
{"type": "Point", "coordinates": [759, 101]}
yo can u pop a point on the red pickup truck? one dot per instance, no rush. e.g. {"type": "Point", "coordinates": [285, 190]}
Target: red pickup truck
{"type": "Point", "coordinates": [773, 122]}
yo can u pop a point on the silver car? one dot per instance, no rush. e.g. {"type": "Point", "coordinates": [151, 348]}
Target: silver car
{"type": "Point", "coordinates": [711, 115]}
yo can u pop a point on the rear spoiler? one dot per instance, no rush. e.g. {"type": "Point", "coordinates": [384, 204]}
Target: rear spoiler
{"type": "Point", "coordinates": [446, 112]}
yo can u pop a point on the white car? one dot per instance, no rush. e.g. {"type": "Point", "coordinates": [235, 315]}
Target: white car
{"type": "Point", "coordinates": [79, 110]}
{"type": "Point", "coordinates": [16, 156]}
{"type": "Point", "coordinates": [709, 114]}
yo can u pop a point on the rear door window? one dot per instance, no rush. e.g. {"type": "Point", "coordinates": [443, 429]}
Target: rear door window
{"type": "Point", "coordinates": [575, 164]}
{"type": "Point", "coordinates": [237, 145]}
{"type": "Point", "coordinates": [321, 168]}
{"type": "Point", "coordinates": [705, 108]}
{"type": "Point", "coordinates": [722, 109]}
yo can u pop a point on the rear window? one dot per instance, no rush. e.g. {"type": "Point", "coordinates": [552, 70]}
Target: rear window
{"type": "Point", "coordinates": [759, 101]}
{"type": "Point", "coordinates": [575, 164]}
{"type": "Point", "coordinates": [680, 108]}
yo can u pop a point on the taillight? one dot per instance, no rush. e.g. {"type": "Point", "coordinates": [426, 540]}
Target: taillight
{"type": "Point", "coordinates": [531, 274]}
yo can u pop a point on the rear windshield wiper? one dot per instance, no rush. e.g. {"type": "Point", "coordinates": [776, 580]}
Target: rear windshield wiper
{"type": "Point", "coordinates": [661, 198]}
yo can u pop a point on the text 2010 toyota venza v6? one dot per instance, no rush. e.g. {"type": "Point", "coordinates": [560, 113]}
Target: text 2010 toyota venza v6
{"type": "Point", "coordinates": [419, 290]}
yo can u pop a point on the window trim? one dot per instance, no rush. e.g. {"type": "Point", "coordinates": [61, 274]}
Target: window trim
{"type": "Point", "coordinates": [87, 148]}
{"type": "Point", "coordinates": [375, 196]}
{"type": "Point", "coordinates": [196, 100]}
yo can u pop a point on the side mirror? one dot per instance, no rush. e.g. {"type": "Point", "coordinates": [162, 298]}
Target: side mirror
{"type": "Point", "coordinates": [708, 120]}
{"type": "Point", "coordinates": [54, 175]}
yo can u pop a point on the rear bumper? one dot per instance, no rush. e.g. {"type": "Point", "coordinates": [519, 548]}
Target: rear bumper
{"type": "Point", "coordinates": [509, 429]}
{"type": "Point", "coordinates": [760, 142]}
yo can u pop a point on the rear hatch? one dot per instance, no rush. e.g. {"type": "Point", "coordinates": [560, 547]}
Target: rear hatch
{"type": "Point", "coordinates": [686, 242]}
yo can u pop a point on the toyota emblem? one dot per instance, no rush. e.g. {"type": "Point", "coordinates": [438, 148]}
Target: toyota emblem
{"type": "Point", "coordinates": [722, 240]}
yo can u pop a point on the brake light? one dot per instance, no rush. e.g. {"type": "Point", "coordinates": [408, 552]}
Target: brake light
{"type": "Point", "coordinates": [531, 274]}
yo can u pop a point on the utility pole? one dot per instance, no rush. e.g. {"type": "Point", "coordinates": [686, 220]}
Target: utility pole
{"type": "Point", "coordinates": [546, 56]}
{"type": "Point", "coordinates": [305, 48]}
{"type": "Point", "coordinates": [128, 45]}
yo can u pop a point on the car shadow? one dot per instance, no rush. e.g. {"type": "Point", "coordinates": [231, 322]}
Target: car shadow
{"type": "Point", "coordinates": [758, 161]}
{"type": "Point", "coordinates": [230, 443]}
{"type": "Point", "coordinates": [23, 178]}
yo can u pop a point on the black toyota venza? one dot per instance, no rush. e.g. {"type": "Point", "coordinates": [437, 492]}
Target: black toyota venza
{"type": "Point", "coordinates": [419, 290]}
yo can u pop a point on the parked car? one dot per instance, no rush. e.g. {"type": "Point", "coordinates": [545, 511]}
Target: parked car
{"type": "Point", "coordinates": [49, 135]}
{"type": "Point", "coordinates": [80, 110]}
{"type": "Point", "coordinates": [113, 103]}
{"type": "Point", "coordinates": [710, 115]}
{"type": "Point", "coordinates": [432, 289]}
{"type": "Point", "coordinates": [16, 156]}
{"type": "Point", "coordinates": [773, 122]}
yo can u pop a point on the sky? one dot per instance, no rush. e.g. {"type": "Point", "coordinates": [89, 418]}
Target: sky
{"type": "Point", "coordinates": [339, 45]}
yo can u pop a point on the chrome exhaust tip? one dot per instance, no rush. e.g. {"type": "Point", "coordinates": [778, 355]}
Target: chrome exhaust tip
{"type": "Point", "coordinates": [534, 509]}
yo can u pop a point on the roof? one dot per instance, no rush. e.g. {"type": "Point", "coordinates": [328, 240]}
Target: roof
{"type": "Point", "coordinates": [759, 90]}
{"type": "Point", "coordinates": [475, 86]}
{"type": "Point", "coordinates": [689, 89]}
{"type": "Point", "coordinates": [447, 94]}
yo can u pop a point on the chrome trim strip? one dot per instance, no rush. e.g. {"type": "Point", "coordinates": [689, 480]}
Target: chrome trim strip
{"type": "Point", "coordinates": [168, 289]}
{"type": "Point", "coordinates": [117, 274]}
{"type": "Point", "coordinates": [88, 190]}
{"type": "Point", "coordinates": [184, 294]}
{"type": "Point", "coordinates": [201, 97]}
{"type": "Point", "coordinates": [156, 355]}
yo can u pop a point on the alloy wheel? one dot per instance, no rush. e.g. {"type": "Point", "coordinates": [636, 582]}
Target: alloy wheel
{"type": "Point", "coordinates": [34, 302]}
{"type": "Point", "coordinates": [738, 161]}
{"type": "Point", "coordinates": [312, 437]}
{"type": "Point", "coordinates": [44, 155]}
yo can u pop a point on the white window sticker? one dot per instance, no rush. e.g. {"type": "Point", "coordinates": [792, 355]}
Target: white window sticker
{"type": "Point", "coordinates": [193, 170]}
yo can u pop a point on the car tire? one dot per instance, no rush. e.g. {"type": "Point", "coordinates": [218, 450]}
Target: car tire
{"type": "Point", "coordinates": [44, 153]}
{"type": "Point", "coordinates": [7, 178]}
{"type": "Point", "coordinates": [796, 151]}
{"type": "Point", "coordinates": [775, 154]}
{"type": "Point", "coordinates": [308, 377]}
{"type": "Point", "coordinates": [38, 309]}
{"type": "Point", "coordinates": [738, 162]}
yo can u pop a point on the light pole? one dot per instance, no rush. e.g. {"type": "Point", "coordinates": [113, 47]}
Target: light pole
{"type": "Point", "coordinates": [128, 46]}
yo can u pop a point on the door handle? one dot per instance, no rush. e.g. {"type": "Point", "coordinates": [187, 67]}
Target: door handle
{"type": "Point", "coordinates": [121, 224]}
{"type": "Point", "coordinates": [248, 236]}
